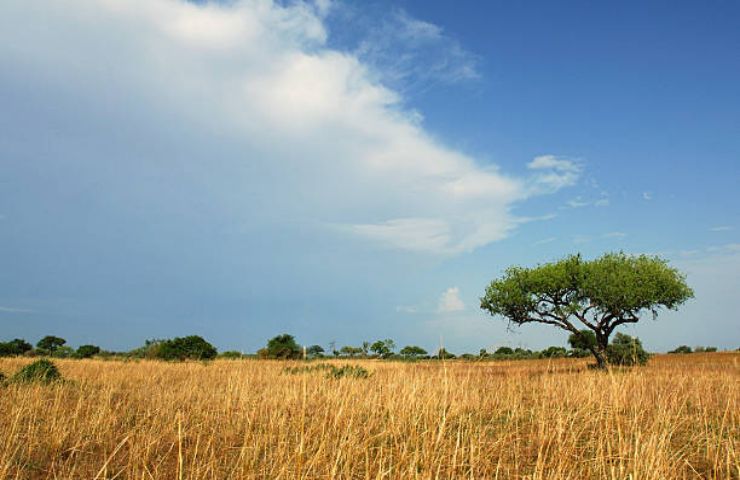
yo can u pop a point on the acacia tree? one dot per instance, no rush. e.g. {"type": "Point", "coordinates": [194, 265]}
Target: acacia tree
{"type": "Point", "coordinates": [601, 294]}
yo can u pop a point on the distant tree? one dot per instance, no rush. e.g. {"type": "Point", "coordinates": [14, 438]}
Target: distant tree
{"type": "Point", "coordinates": [365, 348]}
{"type": "Point", "coordinates": [283, 346]}
{"type": "Point", "coordinates": [17, 346]}
{"type": "Point", "coordinates": [554, 352]}
{"type": "Point", "coordinates": [63, 352]}
{"type": "Point", "coordinates": [350, 351]}
{"type": "Point", "coordinates": [443, 354]}
{"type": "Point", "coordinates": [705, 349]}
{"type": "Point", "coordinates": [627, 351]}
{"type": "Point", "coordinates": [483, 353]}
{"type": "Point", "coordinates": [50, 343]}
{"type": "Point", "coordinates": [412, 351]}
{"type": "Point", "coordinates": [682, 349]}
{"type": "Point", "coordinates": [504, 351]}
{"type": "Point", "coordinates": [192, 347]}
{"type": "Point", "coordinates": [231, 355]}
{"type": "Point", "coordinates": [583, 340]}
{"type": "Point", "coordinates": [383, 348]}
{"type": "Point", "coordinates": [315, 351]}
{"type": "Point", "coordinates": [87, 351]}
{"type": "Point", "coordinates": [600, 294]}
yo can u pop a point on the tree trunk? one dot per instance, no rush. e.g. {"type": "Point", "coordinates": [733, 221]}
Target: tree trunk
{"type": "Point", "coordinates": [599, 351]}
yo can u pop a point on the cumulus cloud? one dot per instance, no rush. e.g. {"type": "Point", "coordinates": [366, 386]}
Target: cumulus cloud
{"type": "Point", "coordinates": [246, 103]}
{"type": "Point", "coordinates": [450, 301]}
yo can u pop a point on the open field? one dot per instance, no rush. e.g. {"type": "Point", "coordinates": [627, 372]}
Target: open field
{"type": "Point", "coordinates": [677, 418]}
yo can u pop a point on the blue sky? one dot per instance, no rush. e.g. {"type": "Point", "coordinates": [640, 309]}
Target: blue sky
{"type": "Point", "coordinates": [347, 171]}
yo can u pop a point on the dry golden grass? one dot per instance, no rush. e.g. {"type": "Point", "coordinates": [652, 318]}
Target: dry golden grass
{"type": "Point", "coordinates": [676, 418]}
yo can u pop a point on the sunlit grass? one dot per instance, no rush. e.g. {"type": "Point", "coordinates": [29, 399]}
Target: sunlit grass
{"type": "Point", "coordinates": [676, 418]}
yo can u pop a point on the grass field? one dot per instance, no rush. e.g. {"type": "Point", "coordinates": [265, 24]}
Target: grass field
{"type": "Point", "coordinates": [677, 418]}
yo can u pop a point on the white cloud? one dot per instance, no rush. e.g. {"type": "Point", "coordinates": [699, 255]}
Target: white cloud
{"type": "Point", "coordinates": [303, 131]}
{"type": "Point", "coordinates": [407, 309]}
{"type": "Point", "coordinates": [614, 235]}
{"type": "Point", "coordinates": [544, 241]}
{"type": "Point", "coordinates": [721, 228]}
{"type": "Point", "coordinates": [647, 196]}
{"type": "Point", "coordinates": [450, 301]}
{"type": "Point", "coordinates": [553, 173]}
{"type": "Point", "coordinates": [413, 55]}
{"type": "Point", "coordinates": [577, 202]}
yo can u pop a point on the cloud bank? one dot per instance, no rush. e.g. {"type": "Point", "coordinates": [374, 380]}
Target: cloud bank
{"type": "Point", "coordinates": [245, 106]}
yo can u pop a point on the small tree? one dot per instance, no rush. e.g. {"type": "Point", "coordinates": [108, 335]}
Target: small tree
{"type": "Point", "coordinates": [554, 352]}
{"type": "Point", "coordinates": [627, 351]}
{"type": "Point", "coordinates": [87, 351]}
{"type": "Point", "coordinates": [682, 349]}
{"type": "Point", "coordinates": [412, 351]}
{"type": "Point", "coordinates": [383, 348]}
{"type": "Point", "coordinates": [443, 354]}
{"type": "Point", "coordinates": [192, 347]}
{"type": "Point", "coordinates": [50, 343]}
{"type": "Point", "coordinates": [315, 351]}
{"type": "Point", "coordinates": [14, 347]}
{"type": "Point", "coordinates": [600, 294]}
{"type": "Point", "coordinates": [350, 351]}
{"type": "Point", "coordinates": [283, 346]}
{"type": "Point", "coordinates": [504, 351]}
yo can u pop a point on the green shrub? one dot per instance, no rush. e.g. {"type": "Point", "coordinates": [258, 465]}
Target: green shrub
{"type": "Point", "coordinates": [87, 351]}
{"type": "Point", "coordinates": [682, 349]}
{"type": "Point", "coordinates": [626, 351]}
{"type": "Point", "coordinates": [14, 347]}
{"type": "Point", "coordinates": [351, 371]}
{"type": "Point", "coordinates": [41, 371]}
{"type": "Point", "coordinates": [281, 346]}
{"type": "Point", "coordinates": [192, 347]}
{"type": "Point", "coordinates": [231, 355]}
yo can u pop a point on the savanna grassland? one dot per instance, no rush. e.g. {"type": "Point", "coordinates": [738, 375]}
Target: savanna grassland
{"type": "Point", "coordinates": [678, 417]}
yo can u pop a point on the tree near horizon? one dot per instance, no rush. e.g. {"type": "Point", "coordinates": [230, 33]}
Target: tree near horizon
{"type": "Point", "coordinates": [283, 346]}
{"type": "Point", "coordinates": [600, 294]}
{"type": "Point", "coordinates": [50, 343]}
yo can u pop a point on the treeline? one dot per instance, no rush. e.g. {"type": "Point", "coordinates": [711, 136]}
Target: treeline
{"type": "Point", "coordinates": [624, 349]}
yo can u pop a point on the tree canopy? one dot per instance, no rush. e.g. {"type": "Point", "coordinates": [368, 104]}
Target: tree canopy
{"type": "Point", "coordinates": [283, 346]}
{"type": "Point", "coordinates": [601, 294]}
{"type": "Point", "coordinates": [191, 347]}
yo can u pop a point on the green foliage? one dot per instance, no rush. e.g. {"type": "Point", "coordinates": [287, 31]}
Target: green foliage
{"type": "Point", "coordinates": [14, 347]}
{"type": "Point", "coordinates": [315, 351]}
{"type": "Point", "coordinates": [63, 352]}
{"type": "Point", "coordinates": [600, 294]}
{"type": "Point", "coordinates": [149, 350]}
{"type": "Point", "coordinates": [40, 371]}
{"type": "Point", "coordinates": [682, 349]}
{"type": "Point", "coordinates": [554, 352]}
{"type": "Point", "coordinates": [231, 355]}
{"type": "Point", "coordinates": [283, 346]}
{"type": "Point", "coordinates": [192, 347]}
{"type": "Point", "coordinates": [349, 351]}
{"type": "Point", "coordinates": [49, 344]}
{"type": "Point", "coordinates": [412, 351]}
{"type": "Point", "coordinates": [504, 351]}
{"type": "Point", "coordinates": [383, 348]}
{"type": "Point", "coordinates": [626, 351]}
{"type": "Point", "coordinates": [583, 340]}
{"type": "Point", "coordinates": [443, 354]}
{"type": "Point", "coordinates": [87, 351]}
{"type": "Point", "coordinates": [351, 371]}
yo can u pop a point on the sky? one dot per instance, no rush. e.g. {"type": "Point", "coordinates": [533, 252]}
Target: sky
{"type": "Point", "coordinates": [357, 170]}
